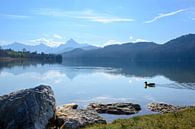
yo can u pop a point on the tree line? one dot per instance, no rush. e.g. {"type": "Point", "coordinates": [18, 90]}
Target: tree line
{"type": "Point", "coordinates": [24, 54]}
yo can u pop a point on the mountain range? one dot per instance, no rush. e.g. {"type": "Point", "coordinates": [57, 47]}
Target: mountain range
{"type": "Point", "coordinates": [179, 49]}
{"type": "Point", "coordinates": [68, 46]}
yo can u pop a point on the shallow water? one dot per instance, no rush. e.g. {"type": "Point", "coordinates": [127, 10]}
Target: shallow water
{"type": "Point", "coordinates": [84, 82]}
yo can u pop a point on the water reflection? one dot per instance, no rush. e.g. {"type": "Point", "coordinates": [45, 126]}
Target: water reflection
{"type": "Point", "coordinates": [145, 86]}
{"type": "Point", "coordinates": [22, 63]}
{"type": "Point", "coordinates": [83, 82]}
{"type": "Point", "coordinates": [182, 72]}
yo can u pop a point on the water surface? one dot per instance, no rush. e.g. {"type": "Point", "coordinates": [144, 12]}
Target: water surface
{"type": "Point", "coordinates": [84, 82]}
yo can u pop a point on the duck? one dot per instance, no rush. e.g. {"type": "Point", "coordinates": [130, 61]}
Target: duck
{"type": "Point", "coordinates": [149, 84]}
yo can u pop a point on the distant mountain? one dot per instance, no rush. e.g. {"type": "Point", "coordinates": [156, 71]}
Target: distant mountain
{"type": "Point", "coordinates": [127, 50]}
{"type": "Point", "coordinates": [19, 46]}
{"type": "Point", "coordinates": [181, 48]}
{"type": "Point", "coordinates": [68, 46]}
{"type": "Point", "coordinates": [71, 45]}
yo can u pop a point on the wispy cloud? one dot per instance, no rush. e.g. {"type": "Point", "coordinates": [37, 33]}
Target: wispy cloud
{"type": "Point", "coordinates": [89, 15]}
{"type": "Point", "coordinates": [2, 42]}
{"type": "Point", "coordinates": [130, 37]}
{"type": "Point", "coordinates": [140, 40]}
{"type": "Point", "coordinates": [57, 36]}
{"type": "Point", "coordinates": [52, 40]}
{"type": "Point", "coordinates": [108, 19]}
{"type": "Point", "coordinates": [137, 39]}
{"type": "Point", "coordinates": [193, 19]}
{"type": "Point", "coordinates": [14, 16]}
{"type": "Point", "coordinates": [48, 42]}
{"type": "Point", "coordinates": [111, 42]}
{"type": "Point", "coordinates": [162, 15]}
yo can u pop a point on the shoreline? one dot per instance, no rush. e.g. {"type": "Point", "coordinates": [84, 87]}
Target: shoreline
{"type": "Point", "coordinates": [40, 102]}
{"type": "Point", "coordinates": [9, 59]}
{"type": "Point", "coordinates": [184, 119]}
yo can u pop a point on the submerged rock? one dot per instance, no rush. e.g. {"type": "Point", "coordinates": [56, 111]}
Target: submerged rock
{"type": "Point", "coordinates": [71, 118]}
{"type": "Point", "coordinates": [165, 108]}
{"type": "Point", "coordinates": [115, 108]}
{"type": "Point", "coordinates": [27, 109]}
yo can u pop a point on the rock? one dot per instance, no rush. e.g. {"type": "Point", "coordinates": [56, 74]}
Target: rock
{"type": "Point", "coordinates": [165, 108]}
{"type": "Point", "coordinates": [27, 109]}
{"type": "Point", "coordinates": [68, 106]}
{"type": "Point", "coordinates": [115, 108]}
{"type": "Point", "coordinates": [68, 118]}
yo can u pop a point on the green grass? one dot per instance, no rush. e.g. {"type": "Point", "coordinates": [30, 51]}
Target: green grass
{"type": "Point", "coordinates": [181, 120]}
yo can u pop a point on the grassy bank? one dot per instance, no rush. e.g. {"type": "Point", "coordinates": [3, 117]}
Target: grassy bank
{"type": "Point", "coordinates": [181, 120]}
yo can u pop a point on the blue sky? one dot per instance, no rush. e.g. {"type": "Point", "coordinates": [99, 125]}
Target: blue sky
{"type": "Point", "coordinates": [99, 22]}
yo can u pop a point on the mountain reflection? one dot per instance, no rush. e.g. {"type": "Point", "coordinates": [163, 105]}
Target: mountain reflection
{"type": "Point", "coordinates": [180, 72]}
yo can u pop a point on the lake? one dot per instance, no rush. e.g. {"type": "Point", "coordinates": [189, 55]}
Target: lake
{"type": "Point", "coordinates": [84, 82]}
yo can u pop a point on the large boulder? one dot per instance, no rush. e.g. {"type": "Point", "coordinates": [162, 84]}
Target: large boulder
{"type": "Point", "coordinates": [27, 109]}
{"type": "Point", "coordinates": [68, 117]}
{"type": "Point", "coordinates": [115, 108]}
{"type": "Point", "coordinates": [165, 108]}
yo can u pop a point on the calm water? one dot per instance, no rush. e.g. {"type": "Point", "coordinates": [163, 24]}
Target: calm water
{"type": "Point", "coordinates": [84, 82]}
